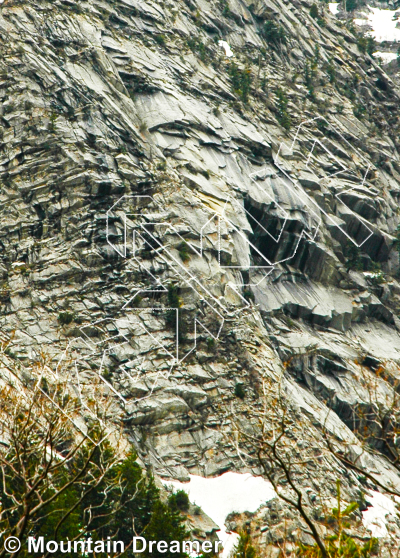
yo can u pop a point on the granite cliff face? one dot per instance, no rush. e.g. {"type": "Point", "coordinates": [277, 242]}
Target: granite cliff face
{"type": "Point", "coordinates": [151, 182]}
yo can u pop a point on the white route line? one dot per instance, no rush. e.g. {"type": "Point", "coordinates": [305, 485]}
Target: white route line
{"type": "Point", "coordinates": [312, 200]}
{"type": "Point", "coordinates": [311, 225]}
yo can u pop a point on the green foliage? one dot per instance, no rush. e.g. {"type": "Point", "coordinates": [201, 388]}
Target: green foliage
{"type": "Point", "coordinates": [378, 276]}
{"type": "Point", "coordinates": [340, 544]}
{"type": "Point", "coordinates": [289, 322]}
{"type": "Point", "coordinates": [147, 254]}
{"type": "Point", "coordinates": [210, 343]}
{"type": "Point", "coordinates": [160, 40]}
{"type": "Point", "coordinates": [248, 295]}
{"type": "Point", "coordinates": [179, 500]}
{"type": "Point", "coordinates": [347, 547]}
{"type": "Point", "coordinates": [239, 391]}
{"type": "Point", "coordinates": [9, 108]}
{"type": "Point", "coordinates": [273, 33]}
{"type": "Point", "coordinates": [349, 91]}
{"type": "Point", "coordinates": [264, 83]}
{"type": "Point", "coordinates": [282, 104]}
{"type": "Point", "coordinates": [397, 241]}
{"type": "Point", "coordinates": [397, 237]}
{"type": "Point", "coordinates": [197, 18]}
{"type": "Point", "coordinates": [5, 293]}
{"type": "Point", "coordinates": [165, 525]}
{"type": "Point", "coordinates": [350, 5]}
{"type": "Point", "coordinates": [107, 374]}
{"type": "Point", "coordinates": [322, 125]}
{"type": "Point", "coordinates": [76, 8]}
{"type": "Point", "coordinates": [53, 118]}
{"type": "Point", "coordinates": [141, 508]}
{"type": "Point", "coordinates": [317, 56]}
{"type": "Point", "coordinates": [92, 493]}
{"type": "Point", "coordinates": [309, 78]}
{"type": "Point", "coordinates": [184, 251]}
{"type": "Point", "coordinates": [352, 254]}
{"type": "Point", "coordinates": [216, 110]}
{"type": "Point", "coordinates": [314, 13]}
{"type": "Point", "coordinates": [65, 318]}
{"type": "Point", "coordinates": [366, 44]}
{"type": "Point", "coordinates": [371, 45]}
{"type": "Point", "coordinates": [197, 170]}
{"type": "Point", "coordinates": [175, 302]}
{"type": "Point", "coordinates": [241, 81]}
{"type": "Point", "coordinates": [197, 46]}
{"type": "Point", "coordinates": [130, 511]}
{"type": "Point", "coordinates": [359, 111]}
{"type": "Point", "coordinates": [224, 6]}
{"type": "Point", "coordinates": [244, 548]}
{"type": "Point", "coordinates": [173, 298]}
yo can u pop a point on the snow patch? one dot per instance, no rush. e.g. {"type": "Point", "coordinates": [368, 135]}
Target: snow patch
{"type": "Point", "coordinates": [386, 56]}
{"type": "Point", "coordinates": [383, 24]}
{"type": "Point", "coordinates": [334, 7]}
{"type": "Point", "coordinates": [374, 518]}
{"type": "Point", "coordinates": [219, 496]}
{"type": "Point", "coordinates": [226, 47]}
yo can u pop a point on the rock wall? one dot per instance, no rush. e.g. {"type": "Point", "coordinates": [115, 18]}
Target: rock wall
{"type": "Point", "coordinates": [176, 222]}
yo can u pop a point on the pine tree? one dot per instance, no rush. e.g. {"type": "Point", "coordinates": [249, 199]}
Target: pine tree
{"type": "Point", "coordinates": [166, 524]}
{"type": "Point", "coordinates": [244, 548]}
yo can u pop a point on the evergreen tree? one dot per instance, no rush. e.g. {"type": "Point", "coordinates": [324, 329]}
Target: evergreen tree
{"type": "Point", "coordinates": [62, 488]}
{"type": "Point", "coordinates": [166, 524]}
{"type": "Point", "coordinates": [244, 548]}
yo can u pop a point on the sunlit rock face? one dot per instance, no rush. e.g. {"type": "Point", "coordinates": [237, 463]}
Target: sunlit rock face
{"type": "Point", "coordinates": [197, 196]}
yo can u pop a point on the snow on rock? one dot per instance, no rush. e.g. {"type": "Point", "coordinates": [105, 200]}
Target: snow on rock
{"type": "Point", "coordinates": [382, 23]}
{"type": "Point", "coordinates": [374, 518]}
{"type": "Point", "coordinates": [334, 7]}
{"type": "Point", "coordinates": [219, 496]}
{"type": "Point", "coordinates": [226, 47]}
{"type": "Point", "coordinates": [386, 56]}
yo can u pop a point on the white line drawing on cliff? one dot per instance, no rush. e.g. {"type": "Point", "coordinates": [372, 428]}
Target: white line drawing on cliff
{"type": "Point", "coordinates": [145, 227]}
{"type": "Point", "coordinates": [310, 200]}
